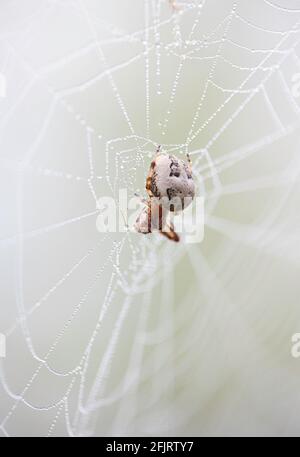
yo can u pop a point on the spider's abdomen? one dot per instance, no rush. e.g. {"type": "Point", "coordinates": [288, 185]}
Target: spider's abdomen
{"type": "Point", "coordinates": [172, 181]}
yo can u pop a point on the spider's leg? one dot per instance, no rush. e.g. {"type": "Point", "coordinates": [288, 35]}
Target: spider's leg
{"type": "Point", "coordinates": [149, 186]}
{"type": "Point", "coordinates": [142, 199]}
{"type": "Point", "coordinates": [150, 174]}
{"type": "Point", "coordinates": [170, 234]}
{"type": "Point", "coordinates": [189, 162]}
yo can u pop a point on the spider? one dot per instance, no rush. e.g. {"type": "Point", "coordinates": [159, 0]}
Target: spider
{"type": "Point", "coordinates": [170, 187]}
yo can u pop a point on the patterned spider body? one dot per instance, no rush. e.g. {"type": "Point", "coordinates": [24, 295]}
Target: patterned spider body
{"type": "Point", "coordinates": [170, 180]}
{"type": "Point", "coordinates": [170, 187]}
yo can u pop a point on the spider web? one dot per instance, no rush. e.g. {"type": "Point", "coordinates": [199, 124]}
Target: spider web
{"type": "Point", "coordinates": [111, 334]}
